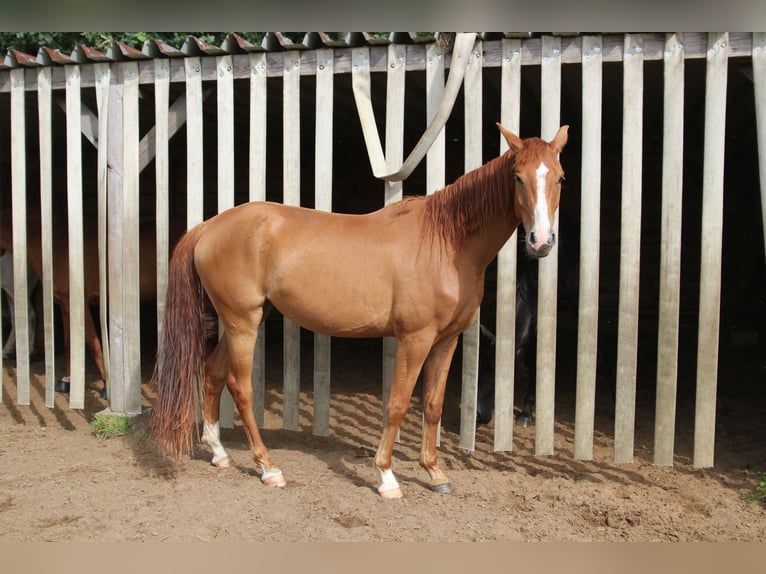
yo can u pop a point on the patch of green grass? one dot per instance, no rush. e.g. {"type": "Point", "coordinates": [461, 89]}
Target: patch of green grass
{"type": "Point", "coordinates": [759, 495]}
{"type": "Point", "coordinates": [107, 426]}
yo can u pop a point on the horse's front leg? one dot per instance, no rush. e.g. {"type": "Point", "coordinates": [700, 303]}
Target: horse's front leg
{"type": "Point", "coordinates": [435, 375]}
{"type": "Point", "coordinates": [410, 354]}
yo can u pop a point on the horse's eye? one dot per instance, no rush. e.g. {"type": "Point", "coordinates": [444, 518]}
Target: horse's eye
{"type": "Point", "coordinates": [519, 180]}
{"type": "Point", "coordinates": [562, 179]}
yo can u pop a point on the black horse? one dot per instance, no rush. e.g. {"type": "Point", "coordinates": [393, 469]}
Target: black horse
{"type": "Point", "coordinates": [526, 329]}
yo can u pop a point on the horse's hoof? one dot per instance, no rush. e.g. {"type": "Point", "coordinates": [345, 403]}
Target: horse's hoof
{"type": "Point", "coordinates": [223, 463]}
{"type": "Point", "coordinates": [61, 386]}
{"type": "Point", "coordinates": [523, 421]}
{"type": "Point", "coordinates": [394, 493]}
{"type": "Point", "coordinates": [445, 488]}
{"type": "Point", "coordinates": [277, 481]}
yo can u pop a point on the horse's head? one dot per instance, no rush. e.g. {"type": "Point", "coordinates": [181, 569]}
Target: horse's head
{"type": "Point", "coordinates": [537, 187]}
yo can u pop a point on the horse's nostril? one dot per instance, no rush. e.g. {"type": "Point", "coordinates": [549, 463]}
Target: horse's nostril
{"type": "Point", "coordinates": [552, 239]}
{"type": "Point", "coordinates": [532, 238]}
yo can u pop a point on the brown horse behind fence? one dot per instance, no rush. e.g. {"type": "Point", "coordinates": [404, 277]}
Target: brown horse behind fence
{"type": "Point", "coordinates": [413, 270]}
{"type": "Point", "coordinates": [60, 261]}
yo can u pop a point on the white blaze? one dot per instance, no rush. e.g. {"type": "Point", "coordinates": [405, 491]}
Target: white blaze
{"type": "Point", "coordinates": [542, 227]}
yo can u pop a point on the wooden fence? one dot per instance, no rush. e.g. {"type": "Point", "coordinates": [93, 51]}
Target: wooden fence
{"type": "Point", "coordinates": [114, 129]}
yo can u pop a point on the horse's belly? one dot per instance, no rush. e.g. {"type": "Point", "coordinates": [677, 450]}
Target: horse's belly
{"type": "Point", "coordinates": [335, 310]}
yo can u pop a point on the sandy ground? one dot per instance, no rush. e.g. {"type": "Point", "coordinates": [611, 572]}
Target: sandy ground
{"type": "Point", "coordinates": [60, 482]}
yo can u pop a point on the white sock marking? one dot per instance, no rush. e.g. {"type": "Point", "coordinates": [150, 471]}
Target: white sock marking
{"type": "Point", "coordinates": [211, 435]}
{"type": "Point", "coordinates": [387, 480]}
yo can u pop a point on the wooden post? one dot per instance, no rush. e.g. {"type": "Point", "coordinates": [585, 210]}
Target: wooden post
{"type": "Point", "coordinates": [76, 255]}
{"type": "Point", "coordinates": [323, 201]}
{"type": "Point", "coordinates": [548, 266]}
{"type": "Point", "coordinates": [291, 166]}
{"type": "Point", "coordinates": [19, 224]}
{"type": "Point", "coordinates": [473, 159]}
{"type": "Point", "coordinates": [712, 236]}
{"type": "Point", "coordinates": [670, 250]}
{"type": "Point", "coordinates": [435, 156]}
{"type": "Point", "coordinates": [759, 84]}
{"type": "Point", "coordinates": [393, 190]}
{"type": "Point", "coordinates": [590, 237]}
{"type": "Point", "coordinates": [44, 102]}
{"type": "Point", "coordinates": [103, 74]}
{"type": "Point", "coordinates": [194, 151]}
{"type": "Point", "coordinates": [130, 246]}
{"type": "Point", "coordinates": [225, 117]}
{"type": "Point", "coordinates": [630, 248]}
{"type": "Point", "coordinates": [505, 334]}
{"type": "Point", "coordinates": [162, 181]}
{"type": "Point", "coordinates": [257, 192]}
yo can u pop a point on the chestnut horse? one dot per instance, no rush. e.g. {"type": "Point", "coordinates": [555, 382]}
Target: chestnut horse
{"type": "Point", "coordinates": [413, 270]}
{"type": "Point", "coordinates": [60, 246]}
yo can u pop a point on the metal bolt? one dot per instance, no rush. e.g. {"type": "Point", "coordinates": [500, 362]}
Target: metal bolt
{"type": "Point", "coordinates": [516, 53]}
{"type": "Point", "coordinates": [556, 51]}
{"type": "Point", "coordinates": [597, 50]}
{"type": "Point", "coordinates": [668, 53]}
{"type": "Point", "coordinates": [638, 49]}
{"type": "Point", "coordinates": [758, 50]}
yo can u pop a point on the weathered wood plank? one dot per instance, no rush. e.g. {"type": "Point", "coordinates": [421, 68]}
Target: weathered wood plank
{"type": "Point", "coordinates": [130, 247]}
{"type": "Point", "coordinates": [257, 192]}
{"type": "Point", "coordinates": [19, 224]}
{"type": "Point", "coordinates": [548, 266]}
{"type": "Point", "coordinates": [225, 123]}
{"type": "Point", "coordinates": [473, 159]}
{"type": "Point", "coordinates": [292, 196]}
{"type": "Point", "coordinates": [102, 165]}
{"type": "Point", "coordinates": [712, 237]}
{"type": "Point", "coordinates": [670, 251]}
{"type": "Point", "coordinates": [76, 255]}
{"type": "Point", "coordinates": [323, 201]}
{"type": "Point", "coordinates": [161, 154]}
{"type": "Point", "coordinates": [759, 82]}
{"type": "Point", "coordinates": [590, 237]}
{"type": "Point", "coordinates": [505, 330]}
{"type": "Point", "coordinates": [393, 190]}
{"type": "Point", "coordinates": [45, 126]}
{"type": "Point", "coordinates": [630, 248]}
{"type": "Point", "coordinates": [194, 143]}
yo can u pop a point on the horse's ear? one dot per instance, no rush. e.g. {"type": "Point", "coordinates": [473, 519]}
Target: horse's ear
{"type": "Point", "coordinates": [514, 141]}
{"type": "Point", "coordinates": [560, 140]}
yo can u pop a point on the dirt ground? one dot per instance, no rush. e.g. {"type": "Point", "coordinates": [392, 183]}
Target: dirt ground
{"type": "Point", "coordinates": [60, 482]}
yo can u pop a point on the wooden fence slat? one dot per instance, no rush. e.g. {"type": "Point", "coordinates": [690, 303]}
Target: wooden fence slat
{"type": "Point", "coordinates": [505, 330]}
{"type": "Point", "coordinates": [548, 266]}
{"type": "Point", "coordinates": [257, 192]}
{"type": "Point", "coordinates": [712, 235]}
{"type": "Point", "coordinates": [292, 196]}
{"type": "Point", "coordinates": [435, 162]}
{"type": "Point", "coordinates": [44, 110]}
{"type": "Point", "coordinates": [194, 143]}
{"type": "Point", "coordinates": [473, 159]}
{"type": "Point", "coordinates": [759, 82]}
{"type": "Point", "coordinates": [670, 251]}
{"type": "Point", "coordinates": [162, 182]}
{"type": "Point", "coordinates": [19, 224]}
{"type": "Point", "coordinates": [76, 257]}
{"type": "Point", "coordinates": [393, 190]}
{"type": "Point", "coordinates": [323, 201]}
{"type": "Point", "coordinates": [130, 247]}
{"type": "Point", "coordinates": [630, 248]}
{"type": "Point", "coordinates": [590, 237]}
{"type": "Point", "coordinates": [225, 122]}
{"type": "Point", "coordinates": [102, 161]}
{"type": "Point", "coordinates": [115, 146]}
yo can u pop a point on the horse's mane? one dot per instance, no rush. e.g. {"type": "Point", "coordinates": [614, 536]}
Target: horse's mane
{"type": "Point", "coordinates": [461, 209]}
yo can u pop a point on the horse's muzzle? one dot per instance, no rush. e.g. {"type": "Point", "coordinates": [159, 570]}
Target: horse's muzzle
{"type": "Point", "coordinates": [538, 250]}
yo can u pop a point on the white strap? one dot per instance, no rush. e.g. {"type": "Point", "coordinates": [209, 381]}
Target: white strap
{"type": "Point", "coordinates": [360, 81]}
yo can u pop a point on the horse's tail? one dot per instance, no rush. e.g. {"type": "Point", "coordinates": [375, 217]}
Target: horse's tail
{"type": "Point", "coordinates": [181, 353]}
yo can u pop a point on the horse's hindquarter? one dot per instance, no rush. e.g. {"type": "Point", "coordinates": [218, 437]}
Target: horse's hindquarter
{"type": "Point", "coordinates": [343, 275]}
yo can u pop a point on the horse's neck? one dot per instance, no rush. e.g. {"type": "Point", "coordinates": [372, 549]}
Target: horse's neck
{"type": "Point", "coordinates": [483, 246]}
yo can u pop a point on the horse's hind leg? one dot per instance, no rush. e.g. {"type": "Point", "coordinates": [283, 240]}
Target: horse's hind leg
{"type": "Point", "coordinates": [435, 374]}
{"type": "Point", "coordinates": [241, 345]}
{"type": "Point", "coordinates": [216, 371]}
